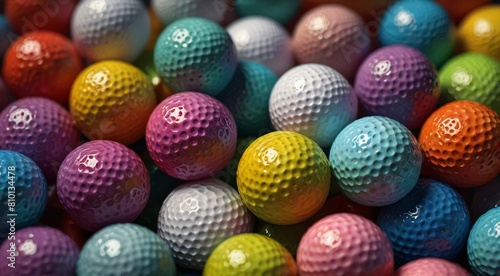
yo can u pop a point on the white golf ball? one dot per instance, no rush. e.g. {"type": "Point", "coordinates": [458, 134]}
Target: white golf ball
{"type": "Point", "coordinates": [197, 216]}
{"type": "Point", "coordinates": [170, 10]}
{"type": "Point", "coordinates": [314, 100]}
{"type": "Point", "coordinates": [262, 40]}
{"type": "Point", "coordinates": [110, 29]}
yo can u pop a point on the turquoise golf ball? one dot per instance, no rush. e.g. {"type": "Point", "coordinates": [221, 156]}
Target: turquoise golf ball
{"type": "Point", "coordinates": [125, 249]}
{"type": "Point", "coordinates": [483, 246]}
{"type": "Point", "coordinates": [195, 54]}
{"type": "Point", "coordinates": [376, 160]}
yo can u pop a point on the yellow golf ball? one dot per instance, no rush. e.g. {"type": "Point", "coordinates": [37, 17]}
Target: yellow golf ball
{"type": "Point", "coordinates": [112, 100]}
{"type": "Point", "coordinates": [283, 177]}
{"type": "Point", "coordinates": [250, 254]}
{"type": "Point", "coordinates": [480, 31]}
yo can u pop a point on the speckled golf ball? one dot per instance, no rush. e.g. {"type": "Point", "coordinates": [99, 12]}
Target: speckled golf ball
{"type": "Point", "coordinates": [471, 76]}
{"type": "Point", "coordinates": [420, 24]}
{"type": "Point", "coordinates": [43, 64]}
{"type": "Point", "coordinates": [280, 10]}
{"type": "Point", "coordinates": [285, 172]}
{"type": "Point", "coordinates": [376, 160]}
{"type": "Point", "coordinates": [261, 39]}
{"type": "Point", "coordinates": [431, 221]}
{"type": "Point", "coordinates": [23, 193]}
{"type": "Point", "coordinates": [191, 136]}
{"type": "Point", "coordinates": [247, 97]}
{"type": "Point", "coordinates": [110, 29]}
{"type": "Point", "coordinates": [40, 129]}
{"type": "Point", "coordinates": [169, 11]}
{"type": "Point", "coordinates": [345, 244]}
{"type": "Point", "coordinates": [197, 216]}
{"type": "Point", "coordinates": [483, 245]}
{"type": "Point", "coordinates": [126, 249]}
{"type": "Point", "coordinates": [431, 267]}
{"type": "Point", "coordinates": [480, 31]}
{"type": "Point", "coordinates": [314, 100]}
{"type": "Point", "coordinates": [461, 144]}
{"type": "Point", "coordinates": [39, 250]}
{"type": "Point", "coordinates": [398, 82]}
{"type": "Point", "coordinates": [250, 254]}
{"type": "Point", "coordinates": [333, 35]}
{"type": "Point", "coordinates": [195, 54]}
{"type": "Point", "coordinates": [112, 100]}
{"type": "Point", "coordinates": [485, 198]}
{"type": "Point", "coordinates": [28, 16]}
{"type": "Point", "coordinates": [101, 183]}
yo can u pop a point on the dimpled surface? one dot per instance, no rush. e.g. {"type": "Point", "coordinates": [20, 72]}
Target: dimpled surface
{"type": "Point", "coordinates": [247, 97]}
{"type": "Point", "coordinates": [101, 183]}
{"type": "Point", "coordinates": [170, 10]}
{"type": "Point", "coordinates": [431, 221]}
{"type": "Point", "coordinates": [376, 160]}
{"type": "Point", "coordinates": [332, 35]}
{"type": "Point", "coordinates": [285, 172]}
{"type": "Point", "coordinates": [431, 267]}
{"type": "Point", "coordinates": [314, 100]}
{"type": "Point", "coordinates": [471, 76]}
{"type": "Point", "coordinates": [30, 191]}
{"type": "Point", "coordinates": [191, 136]}
{"type": "Point", "coordinates": [126, 249]}
{"type": "Point", "coordinates": [32, 62]}
{"type": "Point", "coordinates": [40, 250]}
{"type": "Point", "coordinates": [345, 244]}
{"type": "Point", "coordinates": [483, 245]}
{"type": "Point", "coordinates": [461, 144]}
{"type": "Point", "coordinates": [250, 254]}
{"type": "Point", "coordinates": [102, 28]}
{"type": "Point", "coordinates": [398, 82]}
{"type": "Point", "coordinates": [40, 129]}
{"type": "Point", "coordinates": [485, 198]}
{"type": "Point", "coordinates": [480, 31]}
{"type": "Point", "coordinates": [197, 216]}
{"type": "Point", "coordinates": [112, 100]}
{"type": "Point", "coordinates": [261, 39]}
{"type": "Point", "coordinates": [27, 16]}
{"type": "Point", "coordinates": [195, 54]}
{"type": "Point", "coordinates": [279, 10]}
{"type": "Point", "coordinates": [421, 24]}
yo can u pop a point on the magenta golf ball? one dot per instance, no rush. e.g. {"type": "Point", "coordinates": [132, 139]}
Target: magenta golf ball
{"type": "Point", "coordinates": [39, 250]}
{"type": "Point", "coordinates": [345, 244]}
{"type": "Point", "coordinates": [398, 82]}
{"type": "Point", "coordinates": [101, 183]}
{"type": "Point", "coordinates": [191, 135]}
{"type": "Point", "coordinates": [41, 129]}
{"type": "Point", "coordinates": [431, 267]}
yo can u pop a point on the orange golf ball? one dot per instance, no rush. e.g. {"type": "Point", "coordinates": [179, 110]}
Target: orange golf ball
{"type": "Point", "coordinates": [112, 100]}
{"type": "Point", "coordinates": [461, 144]}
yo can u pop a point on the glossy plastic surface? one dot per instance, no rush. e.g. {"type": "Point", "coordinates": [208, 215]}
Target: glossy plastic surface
{"type": "Point", "coordinates": [431, 267]}
{"type": "Point", "coordinates": [483, 245]}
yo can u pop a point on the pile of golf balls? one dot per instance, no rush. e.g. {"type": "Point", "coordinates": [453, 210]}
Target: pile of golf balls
{"type": "Point", "coordinates": [238, 137]}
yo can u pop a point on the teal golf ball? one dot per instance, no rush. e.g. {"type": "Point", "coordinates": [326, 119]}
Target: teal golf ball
{"type": "Point", "coordinates": [483, 246]}
{"type": "Point", "coordinates": [376, 160]}
{"type": "Point", "coordinates": [247, 97]}
{"type": "Point", "coordinates": [195, 54]}
{"type": "Point", "coordinates": [125, 249]}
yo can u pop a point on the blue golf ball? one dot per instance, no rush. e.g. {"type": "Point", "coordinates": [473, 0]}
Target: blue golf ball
{"type": "Point", "coordinates": [483, 246]}
{"type": "Point", "coordinates": [247, 97]}
{"type": "Point", "coordinates": [431, 221]}
{"type": "Point", "coordinates": [23, 192]}
{"type": "Point", "coordinates": [421, 24]}
{"type": "Point", "coordinates": [376, 160]}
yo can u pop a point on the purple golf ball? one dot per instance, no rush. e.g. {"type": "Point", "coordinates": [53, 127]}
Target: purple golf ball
{"type": "Point", "coordinates": [398, 82]}
{"type": "Point", "coordinates": [191, 136]}
{"type": "Point", "coordinates": [39, 250]}
{"type": "Point", "coordinates": [40, 129]}
{"type": "Point", "coordinates": [101, 183]}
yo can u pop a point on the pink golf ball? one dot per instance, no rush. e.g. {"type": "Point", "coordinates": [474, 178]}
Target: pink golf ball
{"type": "Point", "coordinates": [191, 136]}
{"type": "Point", "coordinates": [431, 267]}
{"type": "Point", "coordinates": [345, 244]}
{"type": "Point", "coordinates": [102, 183]}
